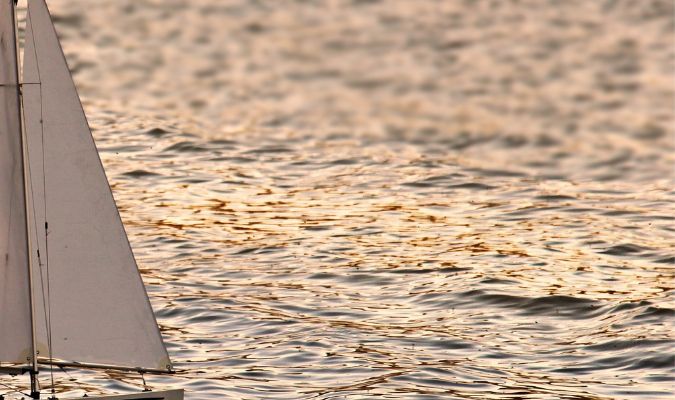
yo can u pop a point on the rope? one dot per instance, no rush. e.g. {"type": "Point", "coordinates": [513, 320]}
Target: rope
{"type": "Point", "coordinates": [13, 390]}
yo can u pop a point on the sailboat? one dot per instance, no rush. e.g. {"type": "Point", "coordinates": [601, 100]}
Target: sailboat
{"type": "Point", "coordinates": [71, 295]}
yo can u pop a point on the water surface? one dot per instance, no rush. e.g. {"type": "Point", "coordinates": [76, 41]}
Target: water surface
{"type": "Point", "coordinates": [391, 199]}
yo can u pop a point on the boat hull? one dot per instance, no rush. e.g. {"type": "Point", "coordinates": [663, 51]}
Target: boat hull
{"type": "Point", "coordinates": [160, 395]}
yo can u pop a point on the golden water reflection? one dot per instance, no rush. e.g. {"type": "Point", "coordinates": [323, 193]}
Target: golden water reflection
{"type": "Point", "coordinates": [353, 199]}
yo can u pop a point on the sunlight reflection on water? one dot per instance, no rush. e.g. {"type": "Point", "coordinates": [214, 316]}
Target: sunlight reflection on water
{"type": "Point", "coordinates": [392, 199]}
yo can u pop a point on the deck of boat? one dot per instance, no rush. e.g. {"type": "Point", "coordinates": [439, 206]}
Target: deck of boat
{"type": "Point", "coordinates": [161, 395]}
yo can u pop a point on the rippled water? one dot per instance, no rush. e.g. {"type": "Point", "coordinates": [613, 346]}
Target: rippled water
{"type": "Point", "coordinates": [391, 199]}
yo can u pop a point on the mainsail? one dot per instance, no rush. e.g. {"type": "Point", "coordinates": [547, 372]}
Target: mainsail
{"type": "Point", "coordinates": [15, 318]}
{"type": "Point", "coordinates": [88, 292]}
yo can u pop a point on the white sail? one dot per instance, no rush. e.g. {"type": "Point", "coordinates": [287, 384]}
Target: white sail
{"type": "Point", "coordinates": [15, 326]}
{"type": "Point", "coordinates": [94, 295]}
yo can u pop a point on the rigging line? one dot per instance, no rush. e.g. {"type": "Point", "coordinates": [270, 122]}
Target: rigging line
{"type": "Point", "coordinates": [37, 236]}
{"type": "Point", "coordinates": [14, 390]}
{"type": "Point", "coordinates": [48, 308]}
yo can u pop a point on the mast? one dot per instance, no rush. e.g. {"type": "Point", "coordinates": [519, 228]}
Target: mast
{"type": "Point", "coordinates": [34, 389]}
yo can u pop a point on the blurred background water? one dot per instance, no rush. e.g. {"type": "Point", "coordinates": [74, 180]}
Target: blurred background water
{"type": "Point", "coordinates": [347, 199]}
